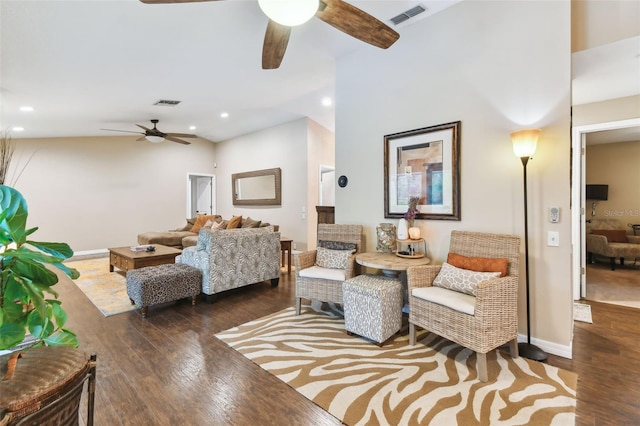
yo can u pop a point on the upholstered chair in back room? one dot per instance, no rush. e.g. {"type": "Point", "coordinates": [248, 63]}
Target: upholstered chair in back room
{"type": "Point", "coordinates": [472, 299]}
{"type": "Point", "coordinates": [321, 272]}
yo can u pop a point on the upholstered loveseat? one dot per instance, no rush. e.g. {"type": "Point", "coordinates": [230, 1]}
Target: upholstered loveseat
{"type": "Point", "coordinates": [234, 258]}
{"type": "Point", "coordinates": [608, 238]}
{"type": "Point", "coordinates": [187, 235]}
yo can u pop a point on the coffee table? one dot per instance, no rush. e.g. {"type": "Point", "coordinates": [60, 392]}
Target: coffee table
{"type": "Point", "coordinates": [126, 259]}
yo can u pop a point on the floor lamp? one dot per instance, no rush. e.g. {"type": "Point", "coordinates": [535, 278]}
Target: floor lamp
{"type": "Point", "coordinates": [524, 146]}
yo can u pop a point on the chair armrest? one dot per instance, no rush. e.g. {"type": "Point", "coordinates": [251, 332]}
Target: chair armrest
{"type": "Point", "coordinates": [304, 260]}
{"type": "Point", "coordinates": [497, 296]}
{"type": "Point", "coordinates": [596, 243]}
{"type": "Point", "coordinates": [633, 239]}
{"type": "Point", "coordinates": [422, 276]}
{"type": "Point", "coordinates": [351, 270]}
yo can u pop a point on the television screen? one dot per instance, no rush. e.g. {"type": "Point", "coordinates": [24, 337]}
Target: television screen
{"type": "Point", "coordinates": [597, 192]}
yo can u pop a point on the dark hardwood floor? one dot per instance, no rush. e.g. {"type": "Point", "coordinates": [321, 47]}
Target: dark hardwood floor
{"type": "Point", "coordinates": [169, 369]}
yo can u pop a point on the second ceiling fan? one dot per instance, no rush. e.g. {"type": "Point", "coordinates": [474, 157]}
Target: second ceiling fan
{"type": "Point", "coordinates": [337, 13]}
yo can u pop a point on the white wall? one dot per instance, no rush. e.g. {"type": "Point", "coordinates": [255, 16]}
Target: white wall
{"type": "Point", "coordinates": [489, 65]}
{"type": "Point", "coordinates": [100, 192]}
{"type": "Point", "coordinates": [284, 146]}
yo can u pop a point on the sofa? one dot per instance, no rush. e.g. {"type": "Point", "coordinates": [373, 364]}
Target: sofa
{"type": "Point", "coordinates": [608, 238]}
{"type": "Point", "coordinates": [234, 258]}
{"type": "Point", "coordinates": [187, 235]}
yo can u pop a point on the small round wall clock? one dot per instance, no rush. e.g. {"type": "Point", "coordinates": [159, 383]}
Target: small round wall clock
{"type": "Point", "coordinates": [342, 181]}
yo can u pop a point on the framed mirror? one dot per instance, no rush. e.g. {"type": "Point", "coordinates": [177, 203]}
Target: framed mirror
{"type": "Point", "coordinates": [257, 188]}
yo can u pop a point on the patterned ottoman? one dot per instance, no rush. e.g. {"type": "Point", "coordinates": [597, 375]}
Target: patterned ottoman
{"type": "Point", "coordinates": [164, 283]}
{"type": "Point", "coordinates": [372, 306]}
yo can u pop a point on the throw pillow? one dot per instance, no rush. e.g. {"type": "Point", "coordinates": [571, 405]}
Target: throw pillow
{"type": "Point", "coordinates": [234, 222]}
{"type": "Point", "coordinates": [201, 220]}
{"type": "Point", "coordinates": [613, 235]}
{"type": "Point", "coordinates": [479, 264]}
{"type": "Point", "coordinates": [337, 245]}
{"type": "Point", "coordinates": [461, 280]}
{"type": "Point", "coordinates": [250, 223]}
{"type": "Point", "coordinates": [334, 259]}
{"type": "Point", "coordinates": [219, 225]}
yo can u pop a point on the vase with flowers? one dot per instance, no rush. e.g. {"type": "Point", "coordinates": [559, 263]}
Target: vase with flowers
{"type": "Point", "coordinates": [412, 211]}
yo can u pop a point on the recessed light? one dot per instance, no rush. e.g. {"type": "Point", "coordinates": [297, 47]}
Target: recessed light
{"type": "Point", "coordinates": [326, 101]}
{"type": "Point", "coordinates": [192, 127]}
{"type": "Point", "coordinates": [26, 108]}
{"type": "Point", "coordinates": [18, 129]}
{"type": "Point", "coordinates": [224, 115]}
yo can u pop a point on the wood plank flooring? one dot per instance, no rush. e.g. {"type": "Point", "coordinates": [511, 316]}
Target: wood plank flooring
{"type": "Point", "coordinates": [169, 368]}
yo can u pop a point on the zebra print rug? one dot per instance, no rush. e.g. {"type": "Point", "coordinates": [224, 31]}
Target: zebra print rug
{"type": "Point", "coordinates": [431, 383]}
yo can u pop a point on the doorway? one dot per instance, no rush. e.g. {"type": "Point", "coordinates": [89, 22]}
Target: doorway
{"type": "Point", "coordinates": [327, 196]}
{"type": "Point", "coordinates": [578, 216]}
{"type": "Point", "coordinates": [200, 194]}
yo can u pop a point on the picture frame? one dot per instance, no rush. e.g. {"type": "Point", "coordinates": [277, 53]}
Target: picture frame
{"type": "Point", "coordinates": [423, 163]}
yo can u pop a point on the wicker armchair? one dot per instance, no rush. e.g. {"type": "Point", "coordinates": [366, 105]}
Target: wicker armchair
{"type": "Point", "coordinates": [326, 286]}
{"type": "Point", "coordinates": [494, 321]}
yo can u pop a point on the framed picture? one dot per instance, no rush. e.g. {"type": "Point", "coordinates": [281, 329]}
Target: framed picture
{"type": "Point", "coordinates": [423, 163]}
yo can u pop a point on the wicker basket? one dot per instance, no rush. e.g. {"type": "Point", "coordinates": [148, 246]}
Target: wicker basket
{"type": "Point", "coordinates": [46, 386]}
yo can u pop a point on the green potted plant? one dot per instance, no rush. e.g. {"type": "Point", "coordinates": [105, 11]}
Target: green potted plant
{"type": "Point", "coordinates": [25, 279]}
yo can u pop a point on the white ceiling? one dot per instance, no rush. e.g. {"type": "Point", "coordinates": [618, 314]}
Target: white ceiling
{"type": "Point", "coordinates": [91, 64]}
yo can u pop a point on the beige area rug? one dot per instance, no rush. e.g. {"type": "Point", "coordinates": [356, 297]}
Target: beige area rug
{"type": "Point", "coordinates": [431, 383]}
{"type": "Point", "coordinates": [106, 290]}
{"type": "Point", "coordinates": [619, 287]}
{"type": "Point", "coordinates": [582, 312]}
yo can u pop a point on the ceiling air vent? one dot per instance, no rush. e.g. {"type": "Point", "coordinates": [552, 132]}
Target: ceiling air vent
{"type": "Point", "coordinates": [408, 14]}
{"type": "Point", "coordinates": [166, 102]}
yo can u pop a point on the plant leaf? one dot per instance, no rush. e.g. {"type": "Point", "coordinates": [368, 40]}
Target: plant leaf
{"type": "Point", "coordinates": [11, 335]}
{"type": "Point", "coordinates": [62, 337]}
{"type": "Point", "coordinates": [59, 250]}
{"type": "Point", "coordinates": [71, 272]}
{"type": "Point", "coordinates": [58, 313]}
{"type": "Point", "coordinates": [37, 273]}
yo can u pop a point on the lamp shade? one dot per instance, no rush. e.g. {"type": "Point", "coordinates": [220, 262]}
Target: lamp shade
{"type": "Point", "coordinates": [289, 12]}
{"type": "Point", "coordinates": [524, 142]}
{"type": "Point", "coordinates": [154, 139]}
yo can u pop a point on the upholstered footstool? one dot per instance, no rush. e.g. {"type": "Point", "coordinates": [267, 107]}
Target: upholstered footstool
{"type": "Point", "coordinates": [163, 283]}
{"type": "Point", "coordinates": [372, 306]}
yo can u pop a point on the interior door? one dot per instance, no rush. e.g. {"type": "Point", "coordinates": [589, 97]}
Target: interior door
{"type": "Point", "coordinates": [204, 195]}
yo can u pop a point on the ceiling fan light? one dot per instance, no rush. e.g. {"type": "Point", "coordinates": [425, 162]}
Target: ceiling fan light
{"type": "Point", "coordinates": [154, 139]}
{"type": "Point", "coordinates": [289, 12]}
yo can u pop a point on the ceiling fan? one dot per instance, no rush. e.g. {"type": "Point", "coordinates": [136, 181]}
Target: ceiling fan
{"type": "Point", "coordinates": [156, 136]}
{"type": "Point", "coordinates": [337, 13]}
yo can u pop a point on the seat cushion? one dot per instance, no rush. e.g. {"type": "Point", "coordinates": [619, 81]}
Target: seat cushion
{"type": "Point", "coordinates": [451, 299]}
{"type": "Point", "coordinates": [323, 273]}
{"type": "Point", "coordinates": [167, 238]}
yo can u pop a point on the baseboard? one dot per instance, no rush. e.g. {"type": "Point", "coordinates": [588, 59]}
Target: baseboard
{"type": "Point", "coordinates": [564, 351]}
{"type": "Point", "coordinates": [90, 253]}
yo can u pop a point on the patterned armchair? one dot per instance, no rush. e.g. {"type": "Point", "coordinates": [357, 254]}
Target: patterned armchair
{"type": "Point", "coordinates": [482, 322]}
{"type": "Point", "coordinates": [234, 258]}
{"type": "Point", "coordinates": [325, 284]}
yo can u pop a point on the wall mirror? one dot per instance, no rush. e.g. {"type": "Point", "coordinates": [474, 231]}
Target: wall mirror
{"type": "Point", "coordinates": [257, 188]}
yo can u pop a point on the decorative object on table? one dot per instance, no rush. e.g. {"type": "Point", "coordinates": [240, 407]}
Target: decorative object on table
{"type": "Point", "coordinates": [414, 233]}
{"type": "Point", "coordinates": [524, 146]}
{"type": "Point", "coordinates": [411, 249]}
{"type": "Point", "coordinates": [386, 233]}
{"type": "Point", "coordinates": [429, 155]}
{"type": "Point", "coordinates": [403, 229]}
{"type": "Point", "coordinates": [412, 211]}
{"type": "Point", "coordinates": [25, 278]}
{"type": "Point", "coordinates": [150, 249]}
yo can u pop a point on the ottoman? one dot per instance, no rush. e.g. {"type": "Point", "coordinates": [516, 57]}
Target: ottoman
{"type": "Point", "coordinates": [163, 283]}
{"type": "Point", "coordinates": [372, 306]}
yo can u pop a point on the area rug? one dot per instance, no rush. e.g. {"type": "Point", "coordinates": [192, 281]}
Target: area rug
{"type": "Point", "coordinates": [582, 312]}
{"type": "Point", "coordinates": [106, 290]}
{"type": "Point", "coordinates": [432, 383]}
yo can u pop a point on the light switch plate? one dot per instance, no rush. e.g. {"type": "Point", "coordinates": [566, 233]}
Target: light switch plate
{"type": "Point", "coordinates": [553, 239]}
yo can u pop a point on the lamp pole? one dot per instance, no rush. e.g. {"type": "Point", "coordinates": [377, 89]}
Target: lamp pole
{"type": "Point", "coordinates": [528, 350]}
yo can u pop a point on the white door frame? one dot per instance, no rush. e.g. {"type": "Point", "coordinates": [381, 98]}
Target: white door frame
{"type": "Point", "coordinates": [189, 194]}
{"type": "Point", "coordinates": [578, 139]}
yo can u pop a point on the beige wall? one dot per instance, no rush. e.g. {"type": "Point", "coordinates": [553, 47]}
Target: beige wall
{"type": "Point", "coordinates": [599, 22]}
{"type": "Point", "coordinates": [321, 153]}
{"type": "Point", "coordinates": [488, 65]}
{"type": "Point", "coordinates": [616, 165]}
{"type": "Point", "coordinates": [606, 111]}
{"type": "Point", "coordinates": [100, 192]}
{"type": "Point", "coordinates": [297, 148]}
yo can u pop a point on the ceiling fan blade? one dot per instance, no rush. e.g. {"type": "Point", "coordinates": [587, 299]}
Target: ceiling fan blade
{"type": "Point", "coordinates": [141, 138]}
{"type": "Point", "coordinates": [182, 135]}
{"type": "Point", "coordinates": [124, 131]}
{"type": "Point", "coordinates": [146, 129]}
{"type": "Point", "coordinates": [172, 139]}
{"type": "Point", "coordinates": [275, 44]}
{"type": "Point", "coordinates": [357, 23]}
{"type": "Point", "coordinates": [172, 1]}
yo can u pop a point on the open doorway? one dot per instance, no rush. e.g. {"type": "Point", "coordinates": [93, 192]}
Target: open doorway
{"type": "Point", "coordinates": [580, 215]}
{"type": "Point", "coordinates": [200, 194]}
{"type": "Point", "coordinates": [327, 196]}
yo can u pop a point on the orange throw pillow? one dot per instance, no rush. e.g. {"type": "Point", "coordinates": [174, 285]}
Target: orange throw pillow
{"type": "Point", "coordinates": [479, 264]}
{"type": "Point", "coordinates": [613, 235]}
{"type": "Point", "coordinates": [234, 222]}
{"type": "Point", "coordinates": [201, 220]}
